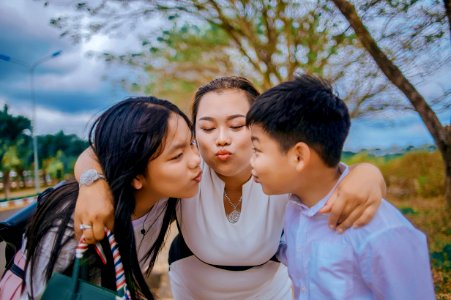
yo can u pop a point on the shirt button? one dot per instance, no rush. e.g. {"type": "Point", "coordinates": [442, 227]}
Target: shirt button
{"type": "Point", "coordinates": [303, 289]}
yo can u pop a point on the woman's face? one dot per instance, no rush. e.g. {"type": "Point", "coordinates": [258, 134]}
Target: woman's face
{"type": "Point", "coordinates": [176, 171]}
{"type": "Point", "coordinates": [223, 139]}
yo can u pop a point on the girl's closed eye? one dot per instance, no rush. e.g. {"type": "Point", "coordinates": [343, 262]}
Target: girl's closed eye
{"type": "Point", "coordinates": [178, 156]}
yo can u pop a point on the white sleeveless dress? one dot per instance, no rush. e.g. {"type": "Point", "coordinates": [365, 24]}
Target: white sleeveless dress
{"type": "Point", "coordinates": [251, 241]}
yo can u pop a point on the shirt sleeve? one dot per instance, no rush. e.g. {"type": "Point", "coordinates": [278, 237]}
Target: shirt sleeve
{"type": "Point", "coordinates": [43, 253]}
{"type": "Point", "coordinates": [394, 264]}
{"type": "Point", "coordinates": [282, 251]}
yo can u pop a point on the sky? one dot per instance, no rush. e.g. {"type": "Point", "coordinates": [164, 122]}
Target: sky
{"type": "Point", "coordinates": [72, 88]}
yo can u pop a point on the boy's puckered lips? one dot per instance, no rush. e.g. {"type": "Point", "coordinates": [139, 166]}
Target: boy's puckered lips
{"type": "Point", "coordinates": [255, 177]}
{"type": "Point", "coordinates": [223, 155]}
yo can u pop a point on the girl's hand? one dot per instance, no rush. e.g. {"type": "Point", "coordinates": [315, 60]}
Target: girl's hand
{"type": "Point", "coordinates": [356, 199]}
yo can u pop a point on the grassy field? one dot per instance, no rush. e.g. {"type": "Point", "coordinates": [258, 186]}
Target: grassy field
{"type": "Point", "coordinates": [415, 184]}
{"type": "Point", "coordinates": [432, 217]}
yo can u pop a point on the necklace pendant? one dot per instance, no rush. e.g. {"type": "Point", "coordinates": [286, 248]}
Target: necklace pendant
{"type": "Point", "coordinates": [234, 216]}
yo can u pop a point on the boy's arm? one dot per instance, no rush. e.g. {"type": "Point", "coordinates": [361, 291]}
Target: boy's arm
{"type": "Point", "coordinates": [395, 265]}
{"type": "Point", "coordinates": [94, 203]}
{"type": "Point", "coordinates": [357, 198]}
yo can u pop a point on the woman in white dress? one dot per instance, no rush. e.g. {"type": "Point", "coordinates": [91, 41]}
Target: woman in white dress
{"type": "Point", "coordinates": [230, 230]}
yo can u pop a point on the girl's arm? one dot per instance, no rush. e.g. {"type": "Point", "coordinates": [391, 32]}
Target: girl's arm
{"type": "Point", "coordinates": [357, 198]}
{"type": "Point", "coordinates": [94, 203]}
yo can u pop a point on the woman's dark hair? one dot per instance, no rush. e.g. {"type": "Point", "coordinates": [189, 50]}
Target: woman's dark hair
{"type": "Point", "coordinates": [125, 138]}
{"type": "Point", "coordinates": [221, 84]}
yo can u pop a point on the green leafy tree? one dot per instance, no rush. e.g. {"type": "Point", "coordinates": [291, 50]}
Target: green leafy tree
{"type": "Point", "coordinates": [59, 150]}
{"type": "Point", "coordinates": [266, 41]}
{"type": "Point", "coordinates": [12, 128]}
{"type": "Point", "coordinates": [9, 162]}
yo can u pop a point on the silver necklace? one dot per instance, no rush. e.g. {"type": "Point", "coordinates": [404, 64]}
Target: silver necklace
{"type": "Point", "coordinates": [234, 216]}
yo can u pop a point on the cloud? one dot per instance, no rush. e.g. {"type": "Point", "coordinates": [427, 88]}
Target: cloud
{"type": "Point", "coordinates": [71, 82]}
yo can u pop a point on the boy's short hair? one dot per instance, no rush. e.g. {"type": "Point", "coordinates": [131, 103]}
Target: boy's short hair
{"type": "Point", "coordinates": [303, 110]}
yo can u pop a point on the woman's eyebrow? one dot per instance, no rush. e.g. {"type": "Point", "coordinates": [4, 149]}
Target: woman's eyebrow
{"type": "Point", "coordinates": [206, 119]}
{"type": "Point", "coordinates": [231, 117]}
{"type": "Point", "coordinates": [235, 116]}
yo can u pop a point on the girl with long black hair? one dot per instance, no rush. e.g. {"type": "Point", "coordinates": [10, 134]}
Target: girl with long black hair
{"type": "Point", "coordinates": [145, 148]}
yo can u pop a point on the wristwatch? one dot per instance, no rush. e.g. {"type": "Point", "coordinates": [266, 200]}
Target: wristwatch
{"type": "Point", "coordinates": [90, 176]}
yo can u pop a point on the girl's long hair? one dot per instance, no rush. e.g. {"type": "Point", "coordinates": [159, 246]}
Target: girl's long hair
{"type": "Point", "coordinates": [125, 138]}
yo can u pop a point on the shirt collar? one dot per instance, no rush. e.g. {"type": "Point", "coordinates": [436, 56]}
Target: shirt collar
{"type": "Point", "coordinates": [311, 211]}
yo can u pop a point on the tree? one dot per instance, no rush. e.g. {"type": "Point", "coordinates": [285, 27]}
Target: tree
{"type": "Point", "coordinates": [266, 41]}
{"type": "Point", "coordinates": [441, 133]}
{"type": "Point", "coordinates": [9, 162]}
{"type": "Point", "coordinates": [11, 130]}
{"type": "Point", "coordinates": [59, 152]}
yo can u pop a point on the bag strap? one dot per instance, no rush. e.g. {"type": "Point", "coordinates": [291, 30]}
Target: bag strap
{"type": "Point", "coordinates": [121, 284]}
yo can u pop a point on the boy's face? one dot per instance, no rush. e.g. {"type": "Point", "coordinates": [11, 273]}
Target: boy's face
{"type": "Point", "coordinates": [273, 169]}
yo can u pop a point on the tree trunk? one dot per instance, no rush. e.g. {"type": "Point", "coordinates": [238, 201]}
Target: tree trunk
{"type": "Point", "coordinates": [448, 13]}
{"type": "Point", "coordinates": [440, 134]}
{"type": "Point", "coordinates": [447, 159]}
{"type": "Point", "coordinates": [6, 186]}
{"type": "Point", "coordinates": [44, 177]}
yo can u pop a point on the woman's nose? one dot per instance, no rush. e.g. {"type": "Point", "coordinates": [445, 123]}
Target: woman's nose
{"type": "Point", "coordinates": [222, 138]}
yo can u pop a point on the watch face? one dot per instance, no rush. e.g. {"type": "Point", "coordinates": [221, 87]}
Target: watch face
{"type": "Point", "coordinates": [88, 177]}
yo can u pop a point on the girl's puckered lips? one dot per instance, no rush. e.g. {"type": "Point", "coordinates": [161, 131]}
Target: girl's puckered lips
{"type": "Point", "coordinates": [198, 177]}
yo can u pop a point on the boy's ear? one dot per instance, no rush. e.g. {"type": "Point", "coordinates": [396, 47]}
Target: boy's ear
{"type": "Point", "coordinates": [138, 182]}
{"type": "Point", "coordinates": [300, 155]}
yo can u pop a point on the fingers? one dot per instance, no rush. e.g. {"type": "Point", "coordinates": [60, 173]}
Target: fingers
{"type": "Point", "coordinates": [78, 231]}
{"type": "Point", "coordinates": [98, 231]}
{"type": "Point", "coordinates": [350, 219]}
{"type": "Point", "coordinates": [336, 211]}
{"type": "Point", "coordinates": [367, 215]}
{"type": "Point", "coordinates": [328, 206]}
{"type": "Point", "coordinates": [87, 233]}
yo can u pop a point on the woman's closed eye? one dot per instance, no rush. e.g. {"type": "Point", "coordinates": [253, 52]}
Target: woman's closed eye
{"type": "Point", "coordinates": [207, 129]}
{"type": "Point", "coordinates": [237, 127]}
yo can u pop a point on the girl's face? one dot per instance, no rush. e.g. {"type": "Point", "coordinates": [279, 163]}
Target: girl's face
{"type": "Point", "coordinates": [222, 136]}
{"type": "Point", "coordinates": [176, 171]}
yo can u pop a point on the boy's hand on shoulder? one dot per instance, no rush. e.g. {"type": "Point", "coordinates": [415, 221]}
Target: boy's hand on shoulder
{"type": "Point", "coordinates": [95, 208]}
